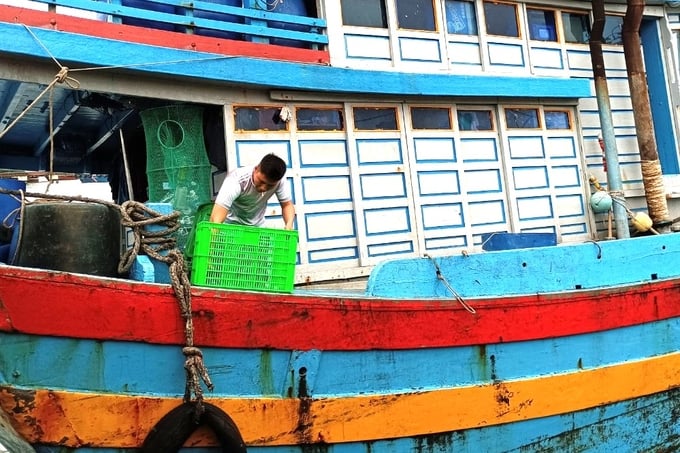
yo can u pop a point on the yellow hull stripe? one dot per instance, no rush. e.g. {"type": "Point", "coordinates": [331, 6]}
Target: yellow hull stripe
{"type": "Point", "coordinates": [108, 420]}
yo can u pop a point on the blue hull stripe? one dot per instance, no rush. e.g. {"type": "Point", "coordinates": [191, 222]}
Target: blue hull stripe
{"type": "Point", "coordinates": [131, 368]}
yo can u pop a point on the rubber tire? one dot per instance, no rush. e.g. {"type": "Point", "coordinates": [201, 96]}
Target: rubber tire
{"type": "Point", "coordinates": [176, 427]}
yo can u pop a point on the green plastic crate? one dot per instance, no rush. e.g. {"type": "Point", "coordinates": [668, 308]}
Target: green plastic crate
{"type": "Point", "coordinates": [244, 257]}
{"type": "Point", "coordinates": [202, 214]}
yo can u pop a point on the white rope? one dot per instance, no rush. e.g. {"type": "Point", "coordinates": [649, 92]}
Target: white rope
{"type": "Point", "coordinates": [446, 283]}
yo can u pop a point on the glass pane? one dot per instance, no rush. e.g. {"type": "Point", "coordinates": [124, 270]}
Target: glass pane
{"type": "Point", "coordinates": [542, 25]}
{"type": "Point", "coordinates": [259, 118]}
{"type": "Point", "coordinates": [415, 14]}
{"type": "Point", "coordinates": [521, 118]}
{"type": "Point", "coordinates": [430, 118]}
{"type": "Point", "coordinates": [576, 27]}
{"type": "Point", "coordinates": [371, 119]}
{"type": "Point", "coordinates": [613, 28]}
{"type": "Point", "coordinates": [460, 17]}
{"type": "Point", "coordinates": [501, 19]}
{"type": "Point", "coordinates": [364, 13]}
{"type": "Point", "coordinates": [319, 120]}
{"type": "Point", "coordinates": [557, 119]}
{"type": "Point", "coordinates": [475, 120]}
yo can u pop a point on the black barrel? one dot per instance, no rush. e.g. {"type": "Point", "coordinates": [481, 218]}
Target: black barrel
{"type": "Point", "coordinates": [72, 237]}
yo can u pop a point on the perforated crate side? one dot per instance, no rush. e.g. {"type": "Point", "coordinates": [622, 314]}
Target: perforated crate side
{"type": "Point", "coordinates": [244, 257]}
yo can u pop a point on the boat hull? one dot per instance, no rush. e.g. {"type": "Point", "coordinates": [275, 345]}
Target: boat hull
{"type": "Point", "coordinates": [93, 363]}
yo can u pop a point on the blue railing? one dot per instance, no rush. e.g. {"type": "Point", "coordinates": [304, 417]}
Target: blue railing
{"type": "Point", "coordinates": [227, 19]}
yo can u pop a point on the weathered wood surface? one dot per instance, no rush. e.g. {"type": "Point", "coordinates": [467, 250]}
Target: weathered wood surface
{"type": "Point", "coordinates": [10, 441]}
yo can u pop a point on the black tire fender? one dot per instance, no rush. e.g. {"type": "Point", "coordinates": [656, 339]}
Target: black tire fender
{"type": "Point", "coordinates": [171, 431]}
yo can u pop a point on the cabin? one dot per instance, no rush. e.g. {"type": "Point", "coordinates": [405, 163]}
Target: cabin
{"type": "Point", "coordinates": [409, 127]}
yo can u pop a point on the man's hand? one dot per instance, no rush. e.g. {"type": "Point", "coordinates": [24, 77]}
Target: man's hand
{"type": "Point", "coordinates": [218, 214]}
{"type": "Point", "coordinates": [288, 212]}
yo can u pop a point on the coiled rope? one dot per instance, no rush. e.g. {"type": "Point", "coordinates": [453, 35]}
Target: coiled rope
{"type": "Point", "coordinates": [137, 216]}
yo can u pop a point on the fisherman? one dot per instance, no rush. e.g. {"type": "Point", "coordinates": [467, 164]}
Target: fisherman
{"type": "Point", "coordinates": [244, 194]}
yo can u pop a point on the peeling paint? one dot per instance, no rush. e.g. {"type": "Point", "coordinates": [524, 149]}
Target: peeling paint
{"type": "Point", "coordinates": [266, 374]}
{"type": "Point", "coordinates": [316, 448]}
{"type": "Point", "coordinates": [434, 443]}
{"type": "Point", "coordinates": [304, 422]}
{"type": "Point", "coordinates": [205, 314]}
{"type": "Point", "coordinates": [483, 362]}
{"type": "Point", "coordinates": [503, 398]}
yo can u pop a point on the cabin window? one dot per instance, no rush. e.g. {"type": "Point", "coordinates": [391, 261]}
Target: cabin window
{"type": "Point", "coordinates": [475, 120]}
{"type": "Point", "coordinates": [613, 30]}
{"type": "Point", "coordinates": [259, 118]}
{"type": "Point", "coordinates": [576, 27]}
{"type": "Point", "coordinates": [460, 17]}
{"type": "Point", "coordinates": [375, 119]}
{"type": "Point", "coordinates": [541, 25]}
{"type": "Point", "coordinates": [364, 13]}
{"type": "Point", "coordinates": [319, 120]}
{"type": "Point", "coordinates": [501, 19]}
{"type": "Point", "coordinates": [416, 14]}
{"type": "Point", "coordinates": [430, 118]}
{"type": "Point", "coordinates": [557, 119]}
{"type": "Point", "coordinates": [522, 118]}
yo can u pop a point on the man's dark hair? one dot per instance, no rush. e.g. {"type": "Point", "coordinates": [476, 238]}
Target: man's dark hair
{"type": "Point", "coordinates": [273, 167]}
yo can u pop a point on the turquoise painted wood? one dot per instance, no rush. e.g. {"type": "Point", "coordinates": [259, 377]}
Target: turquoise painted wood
{"type": "Point", "coordinates": [141, 368]}
{"type": "Point", "coordinates": [531, 270]}
{"type": "Point", "coordinates": [261, 73]}
{"type": "Point", "coordinates": [112, 366]}
{"type": "Point", "coordinates": [659, 97]}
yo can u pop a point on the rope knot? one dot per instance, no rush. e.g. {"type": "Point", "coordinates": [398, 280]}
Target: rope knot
{"type": "Point", "coordinates": [196, 371]}
{"type": "Point", "coordinates": [62, 74]}
{"type": "Point", "coordinates": [192, 351]}
{"type": "Point", "coordinates": [63, 77]}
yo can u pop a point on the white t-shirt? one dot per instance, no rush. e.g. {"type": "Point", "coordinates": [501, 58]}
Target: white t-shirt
{"type": "Point", "coordinates": [246, 205]}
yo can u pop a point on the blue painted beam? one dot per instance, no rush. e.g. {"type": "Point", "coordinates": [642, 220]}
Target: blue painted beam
{"type": "Point", "coordinates": [659, 97]}
{"type": "Point", "coordinates": [76, 50]}
{"type": "Point", "coordinates": [60, 363]}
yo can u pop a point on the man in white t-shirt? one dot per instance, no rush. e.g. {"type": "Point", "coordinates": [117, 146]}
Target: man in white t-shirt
{"type": "Point", "coordinates": [245, 191]}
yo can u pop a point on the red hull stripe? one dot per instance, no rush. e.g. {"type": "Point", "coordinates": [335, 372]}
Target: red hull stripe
{"type": "Point", "coordinates": [141, 35]}
{"type": "Point", "coordinates": [108, 309]}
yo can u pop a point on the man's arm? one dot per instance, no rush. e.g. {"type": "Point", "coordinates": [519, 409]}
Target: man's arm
{"type": "Point", "coordinates": [288, 212]}
{"type": "Point", "coordinates": [218, 214]}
